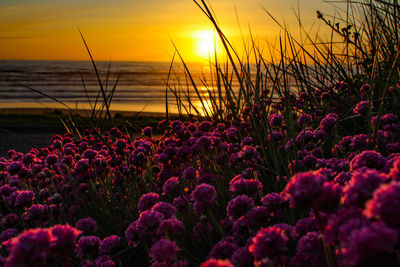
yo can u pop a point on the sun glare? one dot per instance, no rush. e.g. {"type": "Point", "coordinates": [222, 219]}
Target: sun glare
{"type": "Point", "coordinates": [207, 42]}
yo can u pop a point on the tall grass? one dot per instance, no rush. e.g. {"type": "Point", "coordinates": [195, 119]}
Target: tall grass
{"type": "Point", "coordinates": [246, 94]}
{"type": "Point", "coordinates": [362, 48]}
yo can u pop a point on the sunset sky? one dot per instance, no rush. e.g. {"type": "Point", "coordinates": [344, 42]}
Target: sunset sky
{"type": "Point", "coordinates": [135, 29]}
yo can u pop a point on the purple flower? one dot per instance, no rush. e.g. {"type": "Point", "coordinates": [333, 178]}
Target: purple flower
{"type": "Point", "coordinates": [270, 242]}
{"type": "Point", "coordinates": [14, 167]}
{"type": "Point", "coordinates": [395, 170]}
{"type": "Point", "coordinates": [89, 154]}
{"type": "Point", "coordinates": [309, 251]}
{"type": "Point", "coordinates": [305, 188]}
{"type": "Point", "coordinates": [328, 122]}
{"type": "Point", "coordinates": [183, 152]}
{"type": "Point", "coordinates": [105, 261]}
{"type": "Point", "coordinates": [342, 178]}
{"type": "Point", "coordinates": [23, 198]}
{"type": "Point", "coordinates": [385, 204]}
{"type": "Point", "coordinates": [8, 234]}
{"type": "Point", "coordinates": [361, 186]}
{"type": "Point", "coordinates": [274, 201]}
{"type": "Point", "coordinates": [247, 141]}
{"type": "Point", "coordinates": [170, 227]}
{"type": "Point", "coordinates": [51, 159]}
{"type": "Point", "coordinates": [64, 237]}
{"type": "Point", "coordinates": [276, 136]}
{"type": "Point", "coordinates": [87, 245]}
{"type": "Point", "coordinates": [6, 190]}
{"type": "Point", "coordinates": [108, 244]}
{"type": "Point", "coordinates": [206, 177]}
{"type": "Point", "coordinates": [87, 225]}
{"type": "Point", "coordinates": [147, 131]}
{"type": "Point", "coordinates": [305, 225]}
{"type": "Point", "coordinates": [176, 124]}
{"type": "Point", "coordinates": [389, 118]}
{"type": "Point", "coordinates": [369, 246]}
{"type": "Point", "coordinates": [204, 126]}
{"type": "Point", "coordinates": [203, 193]}
{"type": "Point", "coordinates": [38, 213]}
{"type": "Point", "coordinates": [221, 126]}
{"type": "Point", "coordinates": [147, 201]}
{"type": "Point", "coordinates": [222, 250]}
{"type": "Point", "coordinates": [132, 234]}
{"type": "Point", "coordinates": [28, 159]}
{"type": "Point", "coordinates": [120, 144]}
{"type": "Point", "coordinates": [257, 217]}
{"type": "Point", "coordinates": [240, 227]}
{"type": "Point", "coordinates": [304, 137]}
{"type": "Point", "coordinates": [163, 250]}
{"type": "Point", "coordinates": [330, 198]}
{"type": "Point", "coordinates": [231, 133]}
{"type": "Point", "coordinates": [243, 186]}
{"type": "Point", "coordinates": [81, 166]}
{"type": "Point", "coordinates": [189, 174]}
{"type": "Point", "coordinates": [364, 90]}
{"type": "Point", "coordinates": [249, 155]}
{"type": "Point", "coordinates": [393, 147]}
{"type": "Point", "coordinates": [233, 160]}
{"type": "Point", "coordinates": [163, 125]}
{"type": "Point", "coordinates": [217, 263]}
{"type": "Point", "coordinates": [362, 108]}
{"type": "Point", "coordinates": [242, 257]}
{"type": "Point", "coordinates": [359, 142]}
{"type": "Point", "coordinates": [342, 223]}
{"type": "Point", "coordinates": [180, 202]}
{"type": "Point", "coordinates": [346, 141]}
{"type": "Point", "coordinates": [166, 209]}
{"type": "Point", "coordinates": [239, 206]}
{"type": "Point", "coordinates": [275, 119]}
{"type": "Point", "coordinates": [29, 248]}
{"type": "Point", "coordinates": [370, 159]}
{"type": "Point", "coordinates": [287, 229]}
{"type": "Point", "coordinates": [303, 120]}
{"type": "Point", "coordinates": [9, 220]}
{"type": "Point", "coordinates": [149, 221]}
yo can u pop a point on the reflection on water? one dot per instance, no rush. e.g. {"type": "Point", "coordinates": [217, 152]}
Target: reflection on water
{"type": "Point", "coordinates": [141, 85]}
{"type": "Point", "coordinates": [205, 106]}
{"type": "Point", "coordinates": [115, 106]}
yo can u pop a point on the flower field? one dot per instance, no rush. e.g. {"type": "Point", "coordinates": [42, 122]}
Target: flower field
{"type": "Point", "coordinates": [202, 193]}
{"type": "Point", "coordinates": [269, 175]}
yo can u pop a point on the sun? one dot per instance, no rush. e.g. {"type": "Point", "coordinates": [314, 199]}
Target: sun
{"type": "Point", "coordinates": [206, 43]}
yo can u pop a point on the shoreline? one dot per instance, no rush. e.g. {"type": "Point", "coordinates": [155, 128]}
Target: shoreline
{"type": "Point", "coordinates": [81, 112]}
{"type": "Point", "coordinates": [23, 128]}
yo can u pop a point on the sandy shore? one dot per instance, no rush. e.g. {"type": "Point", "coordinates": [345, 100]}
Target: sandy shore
{"type": "Point", "coordinates": [24, 142]}
{"type": "Point", "coordinates": [22, 128]}
{"type": "Point", "coordinates": [81, 112]}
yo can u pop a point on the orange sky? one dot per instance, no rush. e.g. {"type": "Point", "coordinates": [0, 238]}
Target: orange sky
{"type": "Point", "coordinates": [136, 30]}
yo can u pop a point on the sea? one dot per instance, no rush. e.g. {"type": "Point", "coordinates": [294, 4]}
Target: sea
{"type": "Point", "coordinates": [141, 86]}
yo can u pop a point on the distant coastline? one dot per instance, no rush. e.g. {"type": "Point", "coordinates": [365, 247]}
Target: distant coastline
{"type": "Point", "coordinates": [141, 86]}
{"type": "Point", "coordinates": [65, 111]}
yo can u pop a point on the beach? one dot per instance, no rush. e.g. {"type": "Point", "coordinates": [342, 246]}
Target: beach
{"type": "Point", "coordinates": [34, 94]}
{"type": "Point", "coordinates": [132, 86]}
{"type": "Point", "coordinates": [21, 129]}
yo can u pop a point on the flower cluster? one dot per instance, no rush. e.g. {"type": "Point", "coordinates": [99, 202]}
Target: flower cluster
{"type": "Point", "coordinates": [210, 193]}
